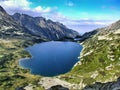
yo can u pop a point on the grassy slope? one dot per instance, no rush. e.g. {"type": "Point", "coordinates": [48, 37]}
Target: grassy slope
{"type": "Point", "coordinates": [101, 65]}
{"type": "Point", "coordinates": [11, 75]}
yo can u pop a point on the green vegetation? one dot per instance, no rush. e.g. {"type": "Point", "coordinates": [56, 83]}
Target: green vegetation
{"type": "Point", "coordinates": [100, 62]}
{"type": "Point", "coordinates": [11, 75]}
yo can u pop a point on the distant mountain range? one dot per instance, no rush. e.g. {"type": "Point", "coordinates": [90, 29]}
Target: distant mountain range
{"type": "Point", "coordinates": [36, 27]}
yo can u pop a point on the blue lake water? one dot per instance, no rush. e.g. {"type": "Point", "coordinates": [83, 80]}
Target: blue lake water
{"type": "Point", "coordinates": [52, 58]}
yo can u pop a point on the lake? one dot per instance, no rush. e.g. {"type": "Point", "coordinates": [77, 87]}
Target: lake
{"type": "Point", "coordinates": [51, 58]}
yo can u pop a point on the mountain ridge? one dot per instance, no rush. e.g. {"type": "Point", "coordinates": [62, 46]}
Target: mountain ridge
{"type": "Point", "coordinates": [37, 27]}
{"type": "Point", "coordinates": [46, 28]}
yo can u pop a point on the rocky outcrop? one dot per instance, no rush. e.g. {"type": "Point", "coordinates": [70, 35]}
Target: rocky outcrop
{"type": "Point", "coordinates": [58, 87]}
{"type": "Point", "coordinates": [115, 85]}
{"type": "Point", "coordinates": [54, 82]}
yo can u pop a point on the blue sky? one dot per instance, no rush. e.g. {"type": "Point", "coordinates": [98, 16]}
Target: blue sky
{"type": "Point", "coordinates": [80, 15]}
{"type": "Point", "coordinates": [78, 9]}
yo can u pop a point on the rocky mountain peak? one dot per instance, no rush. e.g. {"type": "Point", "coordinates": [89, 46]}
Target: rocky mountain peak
{"type": "Point", "coordinates": [115, 25]}
{"type": "Point", "coordinates": [17, 14]}
{"type": "Point", "coordinates": [2, 10]}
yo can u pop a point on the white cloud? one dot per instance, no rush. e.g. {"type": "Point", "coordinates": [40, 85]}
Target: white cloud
{"type": "Point", "coordinates": [15, 3]}
{"type": "Point", "coordinates": [39, 8]}
{"type": "Point", "coordinates": [23, 6]}
{"type": "Point", "coordinates": [48, 9]}
{"type": "Point", "coordinates": [43, 10]}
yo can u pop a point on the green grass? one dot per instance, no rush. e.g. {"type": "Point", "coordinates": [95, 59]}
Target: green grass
{"type": "Point", "coordinates": [97, 61]}
{"type": "Point", "coordinates": [11, 75]}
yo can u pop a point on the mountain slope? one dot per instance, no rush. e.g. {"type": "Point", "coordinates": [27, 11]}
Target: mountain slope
{"type": "Point", "coordinates": [100, 57]}
{"type": "Point", "coordinates": [7, 23]}
{"type": "Point", "coordinates": [10, 29]}
{"type": "Point", "coordinates": [48, 29]}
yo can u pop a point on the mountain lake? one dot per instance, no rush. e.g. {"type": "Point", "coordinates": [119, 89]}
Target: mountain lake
{"type": "Point", "coordinates": [51, 58]}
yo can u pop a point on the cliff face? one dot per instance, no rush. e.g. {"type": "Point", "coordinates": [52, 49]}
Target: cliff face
{"type": "Point", "coordinates": [48, 29]}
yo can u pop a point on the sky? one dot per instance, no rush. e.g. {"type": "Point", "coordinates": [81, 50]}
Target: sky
{"type": "Point", "coordinates": [80, 15]}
